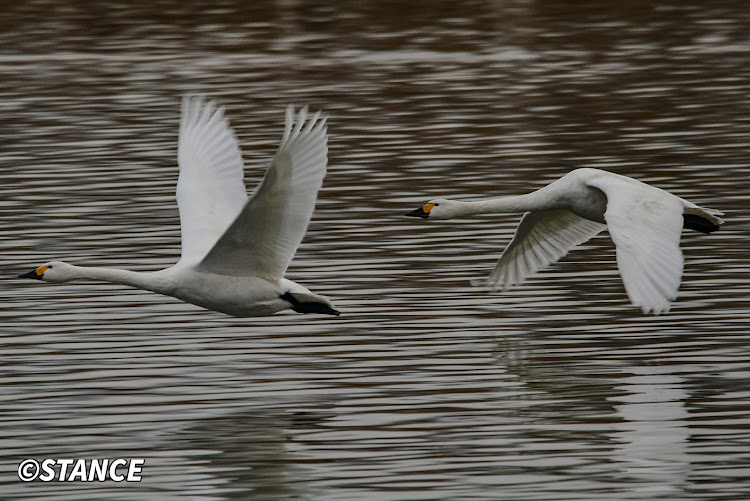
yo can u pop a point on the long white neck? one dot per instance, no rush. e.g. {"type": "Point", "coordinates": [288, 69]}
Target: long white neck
{"type": "Point", "coordinates": [152, 281]}
{"type": "Point", "coordinates": [515, 204]}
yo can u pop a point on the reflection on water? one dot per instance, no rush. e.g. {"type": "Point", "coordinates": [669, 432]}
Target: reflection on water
{"type": "Point", "coordinates": [655, 433]}
{"type": "Point", "coordinates": [425, 387]}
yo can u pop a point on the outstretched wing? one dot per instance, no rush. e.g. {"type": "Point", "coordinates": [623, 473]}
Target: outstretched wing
{"type": "Point", "coordinates": [645, 224]}
{"type": "Point", "coordinates": [266, 234]}
{"type": "Point", "coordinates": [542, 238]}
{"type": "Point", "coordinates": [210, 188]}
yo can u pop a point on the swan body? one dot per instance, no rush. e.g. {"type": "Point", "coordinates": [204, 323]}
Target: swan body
{"type": "Point", "coordinates": [644, 222]}
{"type": "Point", "coordinates": [235, 249]}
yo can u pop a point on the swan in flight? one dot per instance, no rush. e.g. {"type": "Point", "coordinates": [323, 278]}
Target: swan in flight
{"type": "Point", "coordinates": [235, 249]}
{"type": "Point", "coordinates": [644, 222]}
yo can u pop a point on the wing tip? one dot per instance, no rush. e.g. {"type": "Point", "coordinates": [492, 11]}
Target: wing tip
{"type": "Point", "coordinates": [654, 309]}
{"type": "Point", "coordinates": [494, 283]}
{"type": "Point", "coordinates": [197, 109]}
{"type": "Point", "coordinates": [298, 124]}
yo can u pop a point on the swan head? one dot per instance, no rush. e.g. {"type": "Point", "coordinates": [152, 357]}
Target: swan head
{"type": "Point", "coordinates": [54, 272]}
{"type": "Point", "coordinates": [439, 208]}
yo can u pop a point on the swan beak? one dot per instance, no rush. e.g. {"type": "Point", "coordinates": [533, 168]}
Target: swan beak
{"type": "Point", "coordinates": [35, 274]}
{"type": "Point", "coordinates": [422, 212]}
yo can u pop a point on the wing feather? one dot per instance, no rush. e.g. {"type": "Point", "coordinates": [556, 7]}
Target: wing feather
{"type": "Point", "coordinates": [645, 224]}
{"type": "Point", "coordinates": [265, 235]}
{"type": "Point", "coordinates": [210, 188]}
{"type": "Point", "coordinates": [542, 238]}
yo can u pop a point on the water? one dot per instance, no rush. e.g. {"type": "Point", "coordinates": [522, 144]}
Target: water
{"type": "Point", "coordinates": [425, 387]}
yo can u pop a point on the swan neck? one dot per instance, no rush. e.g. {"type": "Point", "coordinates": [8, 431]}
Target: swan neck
{"type": "Point", "coordinates": [516, 204]}
{"type": "Point", "coordinates": [140, 280]}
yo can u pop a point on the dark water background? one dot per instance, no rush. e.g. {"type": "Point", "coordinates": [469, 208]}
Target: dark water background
{"type": "Point", "coordinates": [425, 387]}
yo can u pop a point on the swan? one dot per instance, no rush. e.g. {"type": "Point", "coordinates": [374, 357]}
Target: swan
{"type": "Point", "coordinates": [644, 222]}
{"type": "Point", "coordinates": [235, 249]}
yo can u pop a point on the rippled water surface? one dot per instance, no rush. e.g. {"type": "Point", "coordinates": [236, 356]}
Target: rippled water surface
{"type": "Point", "coordinates": [425, 387]}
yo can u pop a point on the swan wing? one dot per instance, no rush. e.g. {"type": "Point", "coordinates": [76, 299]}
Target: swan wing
{"type": "Point", "coordinates": [645, 224]}
{"type": "Point", "coordinates": [265, 235]}
{"type": "Point", "coordinates": [210, 188]}
{"type": "Point", "coordinates": [542, 238]}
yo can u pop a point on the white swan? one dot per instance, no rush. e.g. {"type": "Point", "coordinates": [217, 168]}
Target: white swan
{"type": "Point", "coordinates": [644, 222]}
{"type": "Point", "coordinates": [235, 250]}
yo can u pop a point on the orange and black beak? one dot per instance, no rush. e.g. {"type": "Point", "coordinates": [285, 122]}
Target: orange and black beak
{"type": "Point", "coordinates": [35, 274]}
{"type": "Point", "coordinates": [422, 212]}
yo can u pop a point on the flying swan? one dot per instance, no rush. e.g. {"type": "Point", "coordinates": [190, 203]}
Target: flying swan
{"type": "Point", "coordinates": [235, 249]}
{"type": "Point", "coordinates": [644, 222]}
